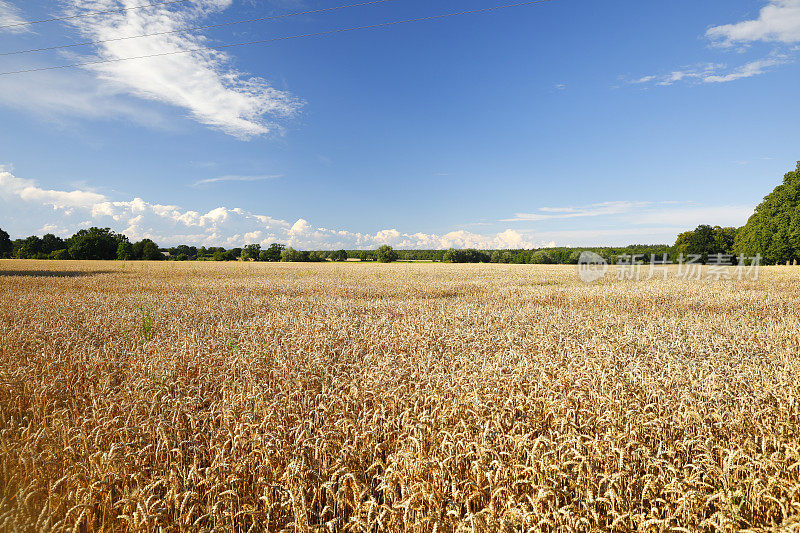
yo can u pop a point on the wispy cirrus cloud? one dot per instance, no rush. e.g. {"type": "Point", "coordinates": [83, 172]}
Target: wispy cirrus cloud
{"type": "Point", "coordinates": [687, 73]}
{"type": "Point", "coordinates": [202, 83]}
{"type": "Point", "coordinates": [778, 22]}
{"type": "Point", "coordinates": [59, 97]}
{"type": "Point", "coordinates": [593, 210]}
{"type": "Point", "coordinates": [626, 215]}
{"type": "Point", "coordinates": [715, 72]}
{"type": "Point", "coordinates": [748, 70]}
{"type": "Point", "coordinates": [220, 179]}
{"type": "Point", "coordinates": [11, 17]}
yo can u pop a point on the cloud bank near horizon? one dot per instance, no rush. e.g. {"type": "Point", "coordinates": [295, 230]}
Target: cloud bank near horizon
{"type": "Point", "coordinates": [31, 209]}
{"type": "Point", "coordinates": [63, 212]}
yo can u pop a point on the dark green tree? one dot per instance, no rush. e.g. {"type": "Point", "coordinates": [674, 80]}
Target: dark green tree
{"type": "Point", "coordinates": [5, 245]}
{"type": "Point", "coordinates": [273, 253]}
{"type": "Point", "coordinates": [124, 251]}
{"type": "Point", "coordinates": [146, 250]}
{"type": "Point", "coordinates": [725, 239]}
{"type": "Point", "coordinates": [465, 256]}
{"type": "Point", "coordinates": [540, 257]}
{"type": "Point", "coordinates": [251, 251]}
{"type": "Point", "coordinates": [52, 243]}
{"type": "Point", "coordinates": [289, 254]}
{"type": "Point", "coordinates": [31, 248]}
{"type": "Point", "coordinates": [500, 257]}
{"type": "Point", "coordinates": [339, 255]}
{"type": "Point", "coordinates": [705, 241]}
{"type": "Point", "coordinates": [95, 243]}
{"type": "Point", "coordinates": [189, 251]}
{"type": "Point", "coordinates": [386, 254]}
{"type": "Point", "coordinates": [774, 229]}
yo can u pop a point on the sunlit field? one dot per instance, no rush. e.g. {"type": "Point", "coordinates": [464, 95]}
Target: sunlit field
{"type": "Point", "coordinates": [394, 397]}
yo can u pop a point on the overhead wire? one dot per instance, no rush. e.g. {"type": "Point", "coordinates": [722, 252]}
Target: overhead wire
{"type": "Point", "coordinates": [68, 17]}
{"type": "Point", "coordinates": [194, 28]}
{"type": "Point", "coordinates": [276, 39]}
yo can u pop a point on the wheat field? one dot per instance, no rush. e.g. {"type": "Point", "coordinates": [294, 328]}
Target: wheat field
{"type": "Point", "coordinates": [402, 397]}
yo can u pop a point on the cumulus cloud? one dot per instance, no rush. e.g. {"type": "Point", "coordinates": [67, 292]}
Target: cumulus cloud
{"type": "Point", "coordinates": [778, 21]}
{"type": "Point", "coordinates": [11, 17]}
{"type": "Point", "coordinates": [27, 208]}
{"type": "Point", "coordinates": [63, 200]}
{"type": "Point", "coordinates": [22, 201]}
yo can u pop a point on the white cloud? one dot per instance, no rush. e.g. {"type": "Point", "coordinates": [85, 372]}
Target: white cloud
{"type": "Point", "coordinates": [659, 220]}
{"type": "Point", "coordinates": [26, 208]}
{"type": "Point", "coordinates": [778, 21]}
{"type": "Point", "coordinates": [748, 70]}
{"type": "Point", "coordinates": [233, 178]}
{"type": "Point", "coordinates": [65, 200]}
{"type": "Point", "coordinates": [593, 210]}
{"type": "Point", "coordinates": [203, 83]}
{"type": "Point", "coordinates": [56, 96]}
{"type": "Point", "coordinates": [301, 227]}
{"type": "Point", "coordinates": [10, 15]}
{"type": "Point", "coordinates": [715, 72]}
{"type": "Point", "coordinates": [29, 208]}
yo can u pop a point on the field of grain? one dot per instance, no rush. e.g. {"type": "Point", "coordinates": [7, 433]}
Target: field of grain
{"type": "Point", "coordinates": [400, 397]}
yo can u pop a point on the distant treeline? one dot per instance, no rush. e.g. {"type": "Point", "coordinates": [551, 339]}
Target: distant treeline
{"type": "Point", "coordinates": [102, 243]}
{"type": "Point", "coordinates": [773, 232]}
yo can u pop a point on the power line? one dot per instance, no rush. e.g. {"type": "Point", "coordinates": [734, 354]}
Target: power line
{"type": "Point", "coordinates": [28, 23]}
{"type": "Point", "coordinates": [277, 39]}
{"type": "Point", "coordinates": [182, 30]}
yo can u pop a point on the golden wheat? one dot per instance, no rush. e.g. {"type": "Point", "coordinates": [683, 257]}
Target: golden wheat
{"type": "Point", "coordinates": [402, 397]}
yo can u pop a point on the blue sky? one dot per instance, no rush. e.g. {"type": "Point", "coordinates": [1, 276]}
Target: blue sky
{"type": "Point", "coordinates": [571, 122]}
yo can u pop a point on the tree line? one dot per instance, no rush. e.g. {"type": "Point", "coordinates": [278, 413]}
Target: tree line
{"type": "Point", "coordinates": [773, 232]}
{"type": "Point", "coordinates": [103, 243]}
{"type": "Point", "coordinates": [92, 243]}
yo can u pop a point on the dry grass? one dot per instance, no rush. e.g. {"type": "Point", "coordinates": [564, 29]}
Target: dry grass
{"type": "Point", "coordinates": [364, 397]}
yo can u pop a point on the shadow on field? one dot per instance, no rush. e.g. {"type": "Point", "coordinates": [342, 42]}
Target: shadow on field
{"type": "Point", "coordinates": [52, 273]}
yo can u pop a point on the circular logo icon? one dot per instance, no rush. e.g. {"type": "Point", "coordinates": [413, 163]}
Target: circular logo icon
{"type": "Point", "coordinates": [591, 267]}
